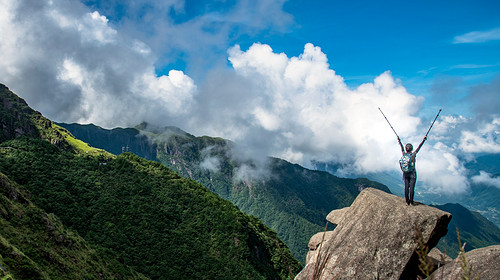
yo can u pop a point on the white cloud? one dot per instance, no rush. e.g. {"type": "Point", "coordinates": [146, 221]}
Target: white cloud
{"type": "Point", "coordinates": [441, 170]}
{"type": "Point", "coordinates": [485, 139]}
{"type": "Point", "coordinates": [478, 36]}
{"type": "Point", "coordinates": [314, 114]}
{"type": "Point", "coordinates": [247, 173]}
{"type": "Point", "coordinates": [487, 179]}
{"type": "Point", "coordinates": [210, 163]}
{"type": "Point", "coordinates": [69, 63]}
{"type": "Point", "coordinates": [94, 27]}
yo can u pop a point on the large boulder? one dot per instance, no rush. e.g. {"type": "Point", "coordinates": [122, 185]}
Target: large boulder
{"type": "Point", "coordinates": [483, 263]}
{"type": "Point", "coordinates": [375, 238]}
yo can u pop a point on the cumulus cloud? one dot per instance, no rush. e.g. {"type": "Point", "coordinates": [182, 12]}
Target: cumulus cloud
{"type": "Point", "coordinates": [442, 171]}
{"type": "Point", "coordinates": [484, 139]}
{"type": "Point", "coordinates": [69, 63]}
{"type": "Point", "coordinates": [486, 179]}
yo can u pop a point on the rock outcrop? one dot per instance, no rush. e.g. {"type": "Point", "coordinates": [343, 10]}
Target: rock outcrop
{"type": "Point", "coordinates": [375, 238]}
{"type": "Point", "coordinates": [438, 258]}
{"type": "Point", "coordinates": [483, 263]}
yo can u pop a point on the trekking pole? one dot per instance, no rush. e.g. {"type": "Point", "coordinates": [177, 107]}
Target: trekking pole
{"type": "Point", "coordinates": [388, 122]}
{"type": "Point", "coordinates": [433, 122]}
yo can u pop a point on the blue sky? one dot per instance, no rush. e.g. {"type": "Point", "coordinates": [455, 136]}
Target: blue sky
{"type": "Point", "coordinates": [413, 39]}
{"type": "Point", "coordinates": [300, 80]}
{"type": "Point", "coordinates": [416, 40]}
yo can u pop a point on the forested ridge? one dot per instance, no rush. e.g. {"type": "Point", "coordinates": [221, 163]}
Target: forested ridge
{"type": "Point", "coordinates": [289, 198]}
{"type": "Point", "coordinates": [147, 217]}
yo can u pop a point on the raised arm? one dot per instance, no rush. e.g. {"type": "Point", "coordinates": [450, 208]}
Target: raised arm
{"type": "Point", "coordinates": [419, 146]}
{"type": "Point", "coordinates": [401, 145]}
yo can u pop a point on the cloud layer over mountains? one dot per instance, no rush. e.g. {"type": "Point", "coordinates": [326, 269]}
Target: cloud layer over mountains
{"type": "Point", "coordinates": [68, 62]}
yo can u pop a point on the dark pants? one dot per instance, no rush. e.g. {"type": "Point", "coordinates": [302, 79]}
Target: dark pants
{"type": "Point", "coordinates": [409, 178]}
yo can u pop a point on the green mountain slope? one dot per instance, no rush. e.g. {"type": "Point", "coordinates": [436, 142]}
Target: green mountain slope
{"type": "Point", "coordinates": [290, 199]}
{"type": "Point", "coordinates": [35, 245]}
{"type": "Point", "coordinates": [153, 220]}
{"type": "Point", "coordinates": [115, 141]}
{"type": "Point", "coordinates": [475, 230]}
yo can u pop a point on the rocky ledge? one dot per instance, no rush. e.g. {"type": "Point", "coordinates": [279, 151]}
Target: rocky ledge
{"type": "Point", "coordinates": [482, 263]}
{"type": "Point", "coordinates": [375, 238]}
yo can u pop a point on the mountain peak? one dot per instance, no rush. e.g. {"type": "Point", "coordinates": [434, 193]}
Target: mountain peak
{"type": "Point", "coordinates": [16, 116]}
{"type": "Point", "coordinates": [18, 119]}
{"type": "Point", "coordinates": [161, 130]}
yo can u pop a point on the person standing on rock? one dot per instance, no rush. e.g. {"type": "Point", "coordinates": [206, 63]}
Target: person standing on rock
{"type": "Point", "coordinates": [407, 163]}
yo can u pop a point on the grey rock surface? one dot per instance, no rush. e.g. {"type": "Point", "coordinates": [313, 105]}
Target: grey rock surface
{"type": "Point", "coordinates": [336, 215]}
{"type": "Point", "coordinates": [376, 238]}
{"type": "Point", "coordinates": [315, 242]}
{"type": "Point", "coordinates": [438, 258]}
{"type": "Point", "coordinates": [484, 263]}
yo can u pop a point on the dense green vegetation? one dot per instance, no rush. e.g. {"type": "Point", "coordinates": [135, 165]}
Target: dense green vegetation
{"type": "Point", "coordinates": [139, 215]}
{"type": "Point", "coordinates": [158, 223]}
{"type": "Point", "coordinates": [16, 116]}
{"type": "Point", "coordinates": [290, 199]}
{"type": "Point", "coordinates": [35, 245]}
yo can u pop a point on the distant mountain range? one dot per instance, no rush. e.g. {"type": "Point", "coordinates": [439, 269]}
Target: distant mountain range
{"type": "Point", "coordinates": [71, 211]}
{"type": "Point", "coordinates": [290, 199]}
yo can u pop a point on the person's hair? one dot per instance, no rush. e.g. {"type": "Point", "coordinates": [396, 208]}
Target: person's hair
{"type": "Point", "coordinates": [409, 147]}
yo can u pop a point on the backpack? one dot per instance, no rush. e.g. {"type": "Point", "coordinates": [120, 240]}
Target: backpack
{"type": "Point", "coordinates": [406, 162]}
